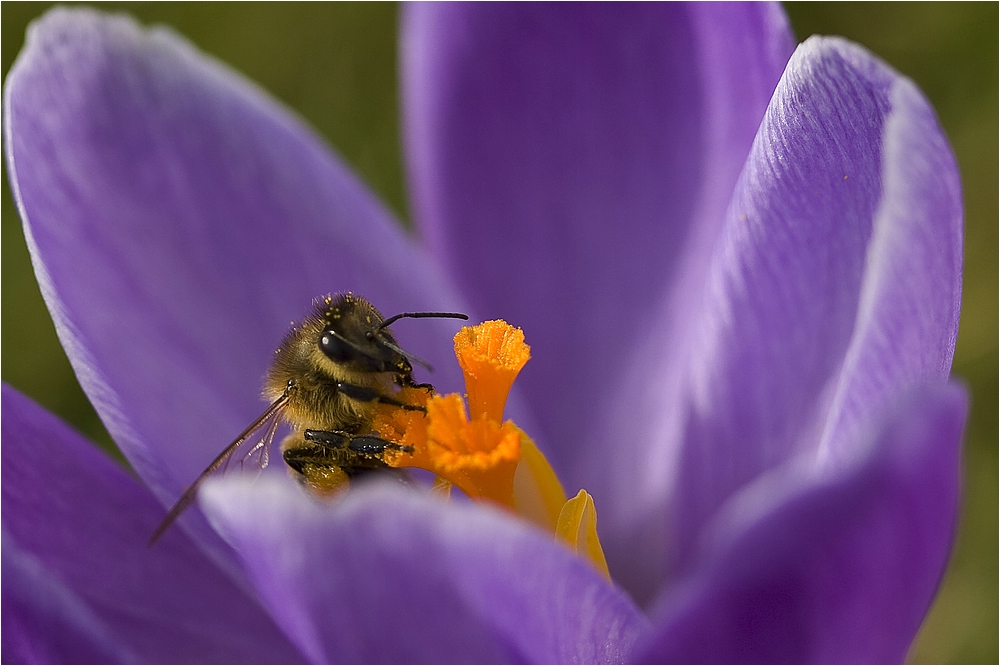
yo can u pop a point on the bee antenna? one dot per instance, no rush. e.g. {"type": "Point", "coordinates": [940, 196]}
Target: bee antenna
{"type": "Point", "coordinates": [414, 359]}
{"type": "Point", "coordinates": [421, 315]}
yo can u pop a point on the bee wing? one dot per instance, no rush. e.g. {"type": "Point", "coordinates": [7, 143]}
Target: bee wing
{"type": "Point", "coordinates": [268, 421]}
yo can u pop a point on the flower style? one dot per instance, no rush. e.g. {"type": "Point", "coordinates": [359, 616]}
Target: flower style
{"type": "Point", "coordinates": [739, 269]}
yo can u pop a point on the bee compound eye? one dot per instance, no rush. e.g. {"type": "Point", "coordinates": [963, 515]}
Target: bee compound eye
{"type": "Point", "coordinates": [335, 348]}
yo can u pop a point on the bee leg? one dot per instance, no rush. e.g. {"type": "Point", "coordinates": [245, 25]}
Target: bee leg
{"type": "Point", "coordinates": [424, 385]}
{"type": "Point", "coordinates": [375, 445]}
{"type": "Point", "coordinates": [314, 467]}
{"type": "Point", "coordinates": [326, 460]}
{"type": "Point", "coordinates": [313, 458]}
{"type": "Point", "coordinates": [333, 438]}
{"type": "Point", "coordinates": [407, 381]}
{"type": "Point", "coordinates": [363, 444]}
{"type": "Point", "coordinates": [364, 394]}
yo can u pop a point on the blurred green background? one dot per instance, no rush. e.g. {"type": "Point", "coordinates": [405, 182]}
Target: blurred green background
{"type": "Point", "coordinates": [336, 65]}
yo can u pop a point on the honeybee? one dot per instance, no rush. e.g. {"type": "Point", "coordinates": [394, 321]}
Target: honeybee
{"type": "Point", "coordinates": [327, 377]}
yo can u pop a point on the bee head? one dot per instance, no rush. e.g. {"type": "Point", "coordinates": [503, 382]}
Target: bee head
{"type": "Point", "coordinates": [353, 336]}
{"type": "Point", "coordinates": [344, 340]}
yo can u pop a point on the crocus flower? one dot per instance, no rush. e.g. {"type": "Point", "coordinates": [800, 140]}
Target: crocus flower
{"type": "Point", "coordinates": [738, 268]}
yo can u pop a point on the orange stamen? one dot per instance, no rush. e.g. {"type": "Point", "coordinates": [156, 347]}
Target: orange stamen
{"type": "Point", "coordinates": [407, 427]}
{"type": "Point", "coordinates": [491, 354]}
{"type": "Point", "coordinates": [481, 455]}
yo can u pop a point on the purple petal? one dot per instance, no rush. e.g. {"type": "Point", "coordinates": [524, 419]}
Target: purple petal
{"type": "Point", "coordinates": [834, 286]}
{"type": "Point", "coordinates": [75, 533]}
{"type": "Point", "coordinates": [45, 623]}
{"type": "Point", "coordinates": [568, 160]}
{"type": "Point", "coordinates": [840, 569]}
{"type": "Point", "coordinates": [385, 575]}
{"type": "Point", "coordinates": [178, 219]}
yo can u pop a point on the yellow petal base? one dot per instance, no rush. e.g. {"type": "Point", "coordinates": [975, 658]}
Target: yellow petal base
{"type": "Point", "coordinates": [538, 495]}
{"type": "Point", "coordinates": [577, 526]}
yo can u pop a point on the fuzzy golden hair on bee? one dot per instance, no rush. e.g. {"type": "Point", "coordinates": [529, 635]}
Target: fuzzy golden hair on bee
{"type": "Point", "coordinates": [348, 323]}
{"type": "Point", "coordinates": [328, 376]}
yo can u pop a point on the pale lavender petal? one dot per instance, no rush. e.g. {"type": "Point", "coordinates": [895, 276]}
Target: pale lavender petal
{"type": "Point", "coordinates": [75, 532]}
{"type": "Point", "coordinates": [178, 220]}
{"type": "Point", "coordinates": [385, 575]}
{"type": "Point", "coordinates": [834, 286]}
{"type": "Point", "coordinates": [836, 569]}
{"type": "Point", "coordinates": [569, 161]}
